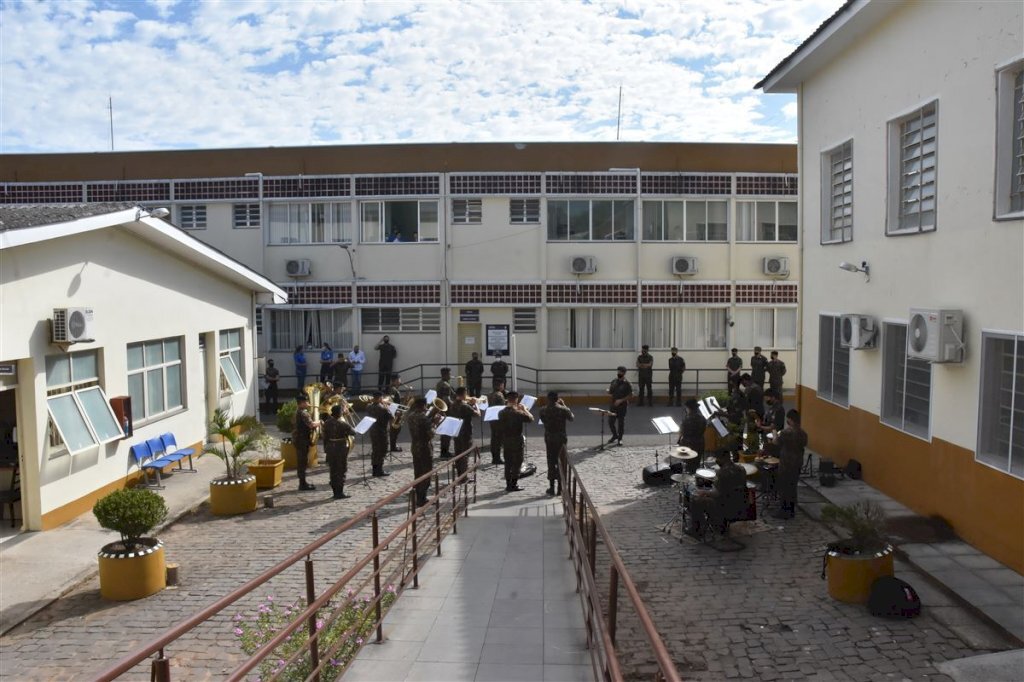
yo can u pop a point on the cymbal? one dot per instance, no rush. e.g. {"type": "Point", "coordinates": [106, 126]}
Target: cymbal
{"type": "Point", "coordinates": [678, 478]}
{"type": "Point", "coordinates": [682, 452]}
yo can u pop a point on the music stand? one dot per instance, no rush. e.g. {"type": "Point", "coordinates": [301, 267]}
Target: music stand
{"type": "Point", "coordinates": [666, 425]}
{"type": "Point", "coordinates": [361, 428]}
{"type": "Point", "coordinates": [490, 415]}
{"type": "Point", "coordinates": [603, 413]}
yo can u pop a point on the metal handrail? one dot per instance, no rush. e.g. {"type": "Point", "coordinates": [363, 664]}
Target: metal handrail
{"type": "Point", "coordinates": [161, 664]}
{"type": "Point", "coordinates": [585, 530]}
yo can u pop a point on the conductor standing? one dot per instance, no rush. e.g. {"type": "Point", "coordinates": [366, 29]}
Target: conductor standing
{"type": "Point", "coordinates": [620, 391]}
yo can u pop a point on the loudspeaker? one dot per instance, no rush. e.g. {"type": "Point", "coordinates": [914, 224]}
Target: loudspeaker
{"type": "Point", "coordinates": [657, 474]}
{"type": "Point", "coordinates": [893, 598]}
{"type": "Point", "coordinates": [854, 469]}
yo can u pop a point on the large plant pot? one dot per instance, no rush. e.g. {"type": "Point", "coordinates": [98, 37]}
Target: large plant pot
{"type": "Point", "coordinates": [125, 576]}
{"type": "Point", "coordinates": [233, 496]}
{"type": "Point", "coordinates": [850, 576]}
{"type": "Point", "coordinates": [267, 472]}
{"type": "Point", "coordinates": [288, 455]}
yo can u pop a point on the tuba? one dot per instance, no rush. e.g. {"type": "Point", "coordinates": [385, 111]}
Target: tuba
{"type": "Point", "coordinates": [437, 409]}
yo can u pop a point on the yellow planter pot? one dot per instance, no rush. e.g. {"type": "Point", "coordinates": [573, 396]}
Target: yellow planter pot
{"type": "Point", "coordinates": [228, 497]}
{"type": "Point", "coordinates": [288, 455]}
{"type": "Point", "coordinates": [850, 576]}
{"type": "Point", "coordinates": [125, 576]}
{"type": "Point", "coordinates": [267, 472]}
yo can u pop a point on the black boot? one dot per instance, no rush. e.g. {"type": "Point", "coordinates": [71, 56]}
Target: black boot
{"type": "Point", "coordinates": [550, 492]}
{"type": "Point", "coordinates": [339, 494]}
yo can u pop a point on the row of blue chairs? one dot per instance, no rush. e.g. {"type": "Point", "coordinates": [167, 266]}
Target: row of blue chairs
{"type": "Point", "coordinates": [155, 454]}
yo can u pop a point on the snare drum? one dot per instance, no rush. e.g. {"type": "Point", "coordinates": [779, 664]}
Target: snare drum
{"type": "Point", "coordinates": [705, 478]}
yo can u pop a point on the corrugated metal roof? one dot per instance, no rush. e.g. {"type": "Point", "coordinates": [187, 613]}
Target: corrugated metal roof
{"type": "Point", "coordinates": [792, 55]}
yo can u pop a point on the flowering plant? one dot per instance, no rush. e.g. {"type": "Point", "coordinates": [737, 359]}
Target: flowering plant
{"type": "Point", "coordinates": [349, 622]}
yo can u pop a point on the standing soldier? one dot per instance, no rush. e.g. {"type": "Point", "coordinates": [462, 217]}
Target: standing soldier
{"type": "Point", "coordinates": [337, 433]}
{"type": "Point", "coordinates": [467, 412]}
{"type": "Point", "coordinates": [776, 370]}
{"type": "Point", "coordinates": [758, 366]}
{"type": "Point", "coordinates": [555, 415]}
{"type": "Point", "coordinates": [676, 367]}
{"type": "Point", "coordinates": [385, 362]}
{"type": "Point", "coordinates": [791, 442]}
{"type": "Point", "coordinates": [499, 371]}
{"type": "Point", "coordinates": [645, 374]}
{"type": "Point", "coordinates": [446, 393]}
{"type": "Point", "coordinates": [272, 375]}
{"type": "Point", "coordinates": [302, 439]}
{"type": "Point", "coordinates": [379, 434]}
{"type": "Point", "coordinates": [394, 392]}
{"type": "Point", "coordinates": [621, 391]}
{"type": "Point", "coordinates": [496, 398]}
{"type": "Point", "coordinates": [732, 369]}
{"type": "Point", "coordinates": [474, 375]}
{"type": "Point", "coordinates": [421, 431]}
{"type": "Point", "coordinates": [512, 419]}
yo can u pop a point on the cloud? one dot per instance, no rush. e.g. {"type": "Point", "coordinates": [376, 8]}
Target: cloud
{"type": "Point", "coordinates": [250, 73]}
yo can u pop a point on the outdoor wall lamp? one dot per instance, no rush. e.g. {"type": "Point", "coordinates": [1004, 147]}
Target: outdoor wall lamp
{"type": "Point", "coordinates": [851, 267]}
{"type": "Point", "coordinates": [154, 213]}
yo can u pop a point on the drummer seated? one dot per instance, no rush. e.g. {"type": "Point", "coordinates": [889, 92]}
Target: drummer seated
{"type": "Point", "coordinates": [722, 505]}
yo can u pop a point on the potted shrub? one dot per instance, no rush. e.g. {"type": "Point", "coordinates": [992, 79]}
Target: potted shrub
{"type": "Point", "coordinates": [862, 556]}
{"type": "Point", "coordinates": [235, 492]}
{"type": "Point", "coordinates": [134, 566]}
{"type": "Point", "coordinates": [269, 466]}
{"type": "Point", "coordinates": [286, 422]}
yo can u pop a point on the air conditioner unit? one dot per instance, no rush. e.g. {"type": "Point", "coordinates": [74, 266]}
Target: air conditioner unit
{"type": "Point", "coordinates": [936, 335]}
{"type": "Point", "coordinates": [684, 265]}
{"type": "Point", "coordinates": [583, 265]}
{"type": "Point", "coordinates": [72, 325]}
{"type": "Point", "coordinates": [776, 266]}
{"type": "Point", "coordinates": [298, 268]}
{"type": "Point", "coordinates": [859, 332]}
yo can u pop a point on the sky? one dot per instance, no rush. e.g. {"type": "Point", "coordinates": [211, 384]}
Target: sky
{"type": "Point", "coordinates": [248, 73]}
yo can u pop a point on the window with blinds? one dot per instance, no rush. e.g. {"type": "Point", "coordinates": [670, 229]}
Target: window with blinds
{"type": "Point", "coordinates": [524, 211]}
{"type": "Point", "coordinates": [467, 211]}
{"type": "Point", "coordinates": [906, 384]}
{"type": "Point", "coordinates": [1017, 172]}
{"type": "Point", "coordinates": [1001, 405]}
{"type": "Point", "coordinates": [837, 194]}
{"type": "Point", "coordinates": [426, 320]}
{"type": "Point", "coordinates": [684, 328]}
{"type": "Point", "coordinates": [833, 361]}
{"type": "Point", "coordinates": [312, 328]}
{"type": "Point", "coordinates": [1009, 188]}
{"type": "Point", "coordinates": [245, 216]}
{"type": "Point", "coordinates": [591, 328]}
{"type": "Point", "coordinates": [765, 327]}
{"type": "Point", "coordinates": [913, 171]}
{"type": "Point", "coordinates": [524, 320]}
{"type": "Point", "coordinates": [192, 216]}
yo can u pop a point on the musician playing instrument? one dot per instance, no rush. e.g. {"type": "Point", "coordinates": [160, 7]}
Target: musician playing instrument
{"type": "Point", "coordinates": [337, 435]}
{"type": "Point", "coordinates": [302, 439]}
{"type": "Point", "coordinates": [496, 398]}
{"type": "Point", "coordinates": [379, 434]}
{"type": "Point", "coordinates": [446, 393]}
{"type": "Point", "coordinates": [621, 392]}
{"type": "Point", "coordinates": [691, 431]}
{"type": "Point", "coordinates": [474, 375]}
{"type": "Point", "coordinates": [421, 432]}
{"type": "Point", "coordinates": [467, 411]}
{"type": "Point", "coordinates": [394, 393]}
{"type": "Point", "coordinates": [555, 414]}
{"type": "Point", "coordinates": [511, 420]}
{"type": "Point", "coordinates": [724, 502]}
{"type": "Point", "coordinates": [791, 441]}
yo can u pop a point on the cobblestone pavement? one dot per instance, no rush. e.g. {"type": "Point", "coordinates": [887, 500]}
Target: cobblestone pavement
{"type": "Point", "coordinates": [762, 612]}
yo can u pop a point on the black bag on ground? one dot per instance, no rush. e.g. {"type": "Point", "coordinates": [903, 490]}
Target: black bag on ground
{"type": "Point", "coordinates": [826, 473]}
{"type": "Point", "coordinates": [657, 474]}
{"type": "Point", "coordinates": [854, 470]}
{"type": "Point", "coordinates": [893, 598]}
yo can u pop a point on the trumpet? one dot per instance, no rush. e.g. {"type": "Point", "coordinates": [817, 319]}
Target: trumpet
{"type": "Point", "coordinates": [364, 398]}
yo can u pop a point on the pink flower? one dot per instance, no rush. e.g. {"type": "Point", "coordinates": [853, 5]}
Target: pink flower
{"type": "Point", "coordinates": [239, 617]}
{"type": "Point", "coordinates": [359, 641]}
{"type": "Point", "coordinates": [238, 632]}
{"type": "Point", "coordinates": [319, 624]}
{"type": "Point", "coordinates": [270, 597]}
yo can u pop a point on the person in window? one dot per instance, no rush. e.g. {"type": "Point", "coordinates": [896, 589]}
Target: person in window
{"type": "Point", "coordinates": [621, 392]}
{"type": "Point", "coordinates": [299, 357]}
{"type": "Point", "coordinates": [758, 366]}
{"type": "Point", "coordinates": [732, 368]}
{"type": "Point", "coordinates": [326, 360]}
{"type": "Point", "coordinates": [645, 375]}
{"type": "Point", "coordinates": [272, 375]}
{"type": "Point", "coordinates": [385, 362]}
{"type": "Point", "coordinates": [395, 235]}
{"type": "Point", "coordinates": [357, 359]}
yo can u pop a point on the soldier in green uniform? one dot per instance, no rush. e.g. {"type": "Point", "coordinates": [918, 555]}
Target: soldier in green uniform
{"type": "Point", "coordinates": [474, 375]}
{"type": "Point", "coordinates": [758, 366]}
{"type": "Point", "coordinates": [467, 412]}
{"type": "Point", "coordinates": [394, 392]}
{"type": "Point", "coordinates": [555, 415]}
{"type": "Point", "coordinates": [676, 367]}
{"type": "Point", "coordinates": [302, 439]}
{"type": "Point", "coordinates": [645, 375]}
{"type": "Point", "coordinates": [421, 432]}
{"type": "Point", "coordinates": [511, 420]}
{"type": "Point", "coordinates": [732, 369]}
{"type": "Point", "coordinates": [337, 432]}
{"type": "Point", "coordinates": [496, 398]}
{"type": "Point", "coordinates": [499, 372]}
{"type": "Point", "coordinates": [379, 434]}
{"type": "Point", "coordinates": [791, 442]}
{"type": "Point", "coordinates": [446, 393]}
{"type": "Point", "coordinates": [776, 370]}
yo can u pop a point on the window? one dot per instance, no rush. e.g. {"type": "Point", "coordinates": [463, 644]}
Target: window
{"type": "Point", "coordinates": [837, 194]}
{"type": "Point", "coordinates": [912, 171]}
{"type": "Point", "coordinates": [906, 384]}
{"type": "Point", "coordinates": [192, 216]}
{"type": "Point", "coordinates": [765, 327]}
{"type": "Point", "coordinates": [686, 328]}
{"type": "Point", "coordinates": [833, 361]}
{"type": "Point", "coordinates": [154, 377]}
{"type": "Point", "coordinates": [310, 223]}
{"type": "Point", "coordinates": [1001, 407]}
{"type": "Point", "coordinates": [524, 211]}
{"type": "Point", "coordinates": [230, 358]}
{"type": "Point", "coordinates": [691, 221]}
{"type": "Point", "coordinates": [245, 216]}
{"type": "Point", "coordinates": [591, 328]}
{"type": "Point", "coordinates": [401, 320]}
{"type": "Point", "coordinates": [524, 320]}
{"type": "Point", "coordinates": [399, 221]}
{"type": "Point", "coordinates": [80, 415]}
{"type": "Point", "coordinates": [467, 211]}
{"type": "Point", "coordinates": [311, 328]}
{"type": "Point", "coordinates": [766, 221]}
{"type": "Point", "coordinates": [1009, 194]}
{"type": "Point", "coordinates": [590, 220]}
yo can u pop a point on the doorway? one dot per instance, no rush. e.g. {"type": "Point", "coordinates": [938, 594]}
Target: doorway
{"type": "Point", "coordinates": [470, 341]}
{"type": "Point", "coordinates": [10, 466]}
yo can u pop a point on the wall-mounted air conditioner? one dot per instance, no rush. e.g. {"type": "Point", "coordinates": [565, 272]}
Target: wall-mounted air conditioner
{"type": "Point", "coordinates": [859, 332]}
{"type": "Point", "coordinates": [936, 335]}
{"type": "Point", "coordinates": [583, 265]}
{"type": "Point", "coordinates": [72, 325]}
{"type": "Point", "coordinates": [684, 265]}
{"type": "Point", "coordinates": [776, 266]}
{"type": "Point", "coordinates": [298, 268]}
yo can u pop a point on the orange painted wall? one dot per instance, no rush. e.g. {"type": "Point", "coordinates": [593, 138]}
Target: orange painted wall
{"type": "Point", "coordinates": [984, 506]}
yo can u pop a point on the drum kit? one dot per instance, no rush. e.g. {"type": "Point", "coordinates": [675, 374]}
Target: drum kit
{"type": "Point", "coordinates": [699, 479]}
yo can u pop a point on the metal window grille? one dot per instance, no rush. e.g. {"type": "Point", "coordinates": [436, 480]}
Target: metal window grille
{"type": "Point", "coordinates": [906, 384]}
{"type": "Point", "coordinates": [839, 223]}
{"type": "Point", "coordinates": [918, 143]}
{"type": "Point", "coordinates": [1001, 409]}
{"type": "Point", "coordinates": [524, 320]}
{"type": "Point", "coordinates": [1017, 171]}
{"type": "Point", "coordinates": [467, 211]}
{"type": "Point", "coordinates": [246, 216]}
{"type": "Point", "coordinates": [192, 216]}
{"type": "Point", "coordinates": [833, 361]}
{"type": "Point", "coordinates": [524, 211]}
{"type": "Point", "coordinates": [427, 320]}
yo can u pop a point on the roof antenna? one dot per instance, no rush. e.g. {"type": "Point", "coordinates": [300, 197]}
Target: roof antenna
{"type": "Point", "coordinates": [110, 108]}
{"type": "Point", "coordinates": [618, 119]}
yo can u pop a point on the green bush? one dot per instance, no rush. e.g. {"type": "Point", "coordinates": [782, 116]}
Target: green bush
{"type": "Point", "coordinates": [863, 523]}
{"type": "Point", "coordinates": [286, 416]}
{"type": "Point", "coordinates": [132, 512]}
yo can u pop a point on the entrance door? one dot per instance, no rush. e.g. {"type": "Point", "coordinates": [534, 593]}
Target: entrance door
{"type": "Point", "coordinates": [10, 464]}
{"type": "Point", "coordinates": [470, 341]}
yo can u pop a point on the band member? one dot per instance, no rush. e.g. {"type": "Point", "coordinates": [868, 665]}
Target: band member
{"type": "Point", "coordinates": [774, 418]}
{"type": "Point", "coordinates": [385, 362]}
{"type": "Point", "coordinates": [621, 391]}
{"type": "Point", "coordinates": [272, 375]}
{"type": "Point", "coordinates": [499, 372]}
{"type": "Point", "coordinates": [466, 411]}
{"type": "Point", "coordinates": [496, 398]}
{"type": "Point", "coordinates": [754, 394]}
{"type": "Point", "coordinates": [379, 434]}
{"type": "Point", "coordinates": [691, 431]}
{"type": "Point", "coordinates": [645, 375]}
{"type": "Point", "coordinates": [724, 502]}
{"type": "Point", "coordinates": [446, 393]}
{"type": "Point", "coordinates": [758, 366]}
{"type": "Point", "coordinates": [394, 392]}
{"type": "Point", "coordinates": [776, 370]}
{"type": "Point", "coordinates": [421, 432]}
{"type": "Point", "coordinates": [676, 367]}
{"type": "Point", "coordinates": [337, 431]}
{"type": "Point", "coordinates": [555, 415]}
{"type": "Point", "coordinates": [326, 360]}
{"type": "Point", "coordinates": [474, 375]}
{"type": "Point", "coordinates": [732, 370]}
{"type": "Point", "coordinates": [791, 441]}
{"type": "Point", "coordinates": [302, 439]}
{"type": "Point", "coordinates": [512, 419]}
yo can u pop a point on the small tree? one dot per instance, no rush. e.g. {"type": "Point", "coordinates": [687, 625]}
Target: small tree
{"type": "Point", "coordinates": [132, 512]}
{"type": "Point", "coordinates": [864, 524]}
{"type": "Point", "coordinates": [230, 445]}
{"type": "Point", "coordinates": [286, 416]}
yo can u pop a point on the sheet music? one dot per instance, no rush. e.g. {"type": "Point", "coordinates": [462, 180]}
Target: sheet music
{"type": "Point", "coordinates": [449, 427]}
{"type": "Point", "coordinates": [703, 409]}
{"type": "Point", "coordinates": [483, 405]}
{"type": "Point", "coordinates": [492, 413]}
{"type": "Point", "coordinates": [364, 426]}
{"type": "Point", "coordinates": [713, 405]}
{"type": "Point", "coordinates": [665, 425]}
{"type": "Point", "coordinates": [431, 395]}
{"type": "Point", "coordinates": [719, 426]}
{"type": "Point", "coordinates": [527, 401]}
